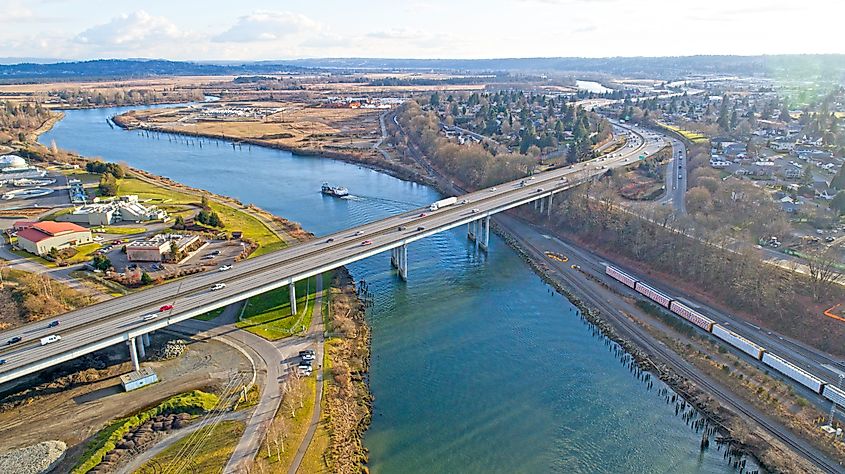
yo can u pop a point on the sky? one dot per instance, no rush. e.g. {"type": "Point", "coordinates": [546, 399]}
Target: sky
{"type": "Point", "coordinates": [285, 29]}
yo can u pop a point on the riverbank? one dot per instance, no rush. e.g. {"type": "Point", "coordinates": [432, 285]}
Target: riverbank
{"type": "Point", "coordinates": [349, 403]}
{"type": "Point", "coordinates": [365, 158]}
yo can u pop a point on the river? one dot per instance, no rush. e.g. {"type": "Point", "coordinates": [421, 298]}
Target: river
{"type": "Point", "coordinates": [477, 366]}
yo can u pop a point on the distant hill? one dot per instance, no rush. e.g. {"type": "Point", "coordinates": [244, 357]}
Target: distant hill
{"type": "Point", "coordinates": [129, 68]}
{"type": "Point", "coordinates": [830, 67]}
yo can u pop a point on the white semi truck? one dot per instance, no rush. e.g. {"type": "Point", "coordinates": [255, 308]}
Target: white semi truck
{"type": "Point", "coordinates": [442, 203]}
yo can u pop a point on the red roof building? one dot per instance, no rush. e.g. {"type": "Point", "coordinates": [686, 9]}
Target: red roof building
{"type": "Point", "coordinates": [41, 237]}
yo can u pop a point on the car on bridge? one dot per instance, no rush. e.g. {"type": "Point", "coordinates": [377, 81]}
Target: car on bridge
{"type": "Point", "coordinates": [367, 242]}
{"type": "Point", "coordinates": [401, 228]}
{"type": "Point", "coordinates": [329, 240]}
{"type": "Point", "coordinates": [166, 307]}
{"type": "Point", "coordinates": [423, 214]}
{"type": "Point", "coordinates": [53, 324]}
{"type": "Point", "coordinates": [50, 339]}
{"type": "Point", "coordinates": [13, 340]}
{"type": "Point", "coordinates": [150, 317]}
{"type": "Point", "coordinates": [420, 228]}
{"type": "Point", "coordinates": [218, 286]}
{"type": "Point", "coordinates": [2, 361]}
{"type": "Point", "coordinates": [224, 268]}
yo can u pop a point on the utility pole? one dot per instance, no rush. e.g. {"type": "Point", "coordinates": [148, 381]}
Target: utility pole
{"type": "Point", "coordinates": [833, 404]}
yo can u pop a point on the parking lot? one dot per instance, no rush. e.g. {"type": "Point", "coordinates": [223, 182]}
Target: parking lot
{"type": "Point", "coordinates": [213, 254]}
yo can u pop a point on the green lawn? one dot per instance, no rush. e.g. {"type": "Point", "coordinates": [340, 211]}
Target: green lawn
{"type": "Point", "coordinates": [83, 253]}
{"type": "Point", "coordinates": [117, 230]}
{"type": "Point", "coordinates": [233, 219]}
{"type": "Point", "coordinates": [159, 194]}
{"type": "Point", "coordinates": [269, 315]}
{"type": "Point", "coordinates": [212, 447]}
{"type": "Point", "coordinates": [33, 257]}
{"type": "Point", "coordinates": [251, 226]}
{"type": "Point", "coordinates": [211, 314]}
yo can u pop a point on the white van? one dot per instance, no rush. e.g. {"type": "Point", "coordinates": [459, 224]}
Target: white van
{"type": "Point", "coordinates": [50, 338]}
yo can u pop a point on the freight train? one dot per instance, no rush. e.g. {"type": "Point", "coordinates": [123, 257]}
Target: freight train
{"type": "Point", "coordinates": [788, 369]}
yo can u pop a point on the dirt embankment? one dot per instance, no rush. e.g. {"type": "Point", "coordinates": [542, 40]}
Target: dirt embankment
{"type": "Point", "coordinates": [348, 398]}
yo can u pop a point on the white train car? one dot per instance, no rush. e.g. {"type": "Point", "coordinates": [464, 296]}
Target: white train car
{"type": "Point", "coordinates": [738, 341]}
{"type": "Point", "coordinates": [834, 394]}
{"type": "Point", "coordinates": [794, 372]}
{"type": "Point", "coordinates": [692, 315]}
{"type": "Point", "coordinates": [617, 274]}
{"type": "Point", "coordinates": [653, 294]}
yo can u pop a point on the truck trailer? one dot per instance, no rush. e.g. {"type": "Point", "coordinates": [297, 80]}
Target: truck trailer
{"type": "Point", "coordinates": [442, 203]}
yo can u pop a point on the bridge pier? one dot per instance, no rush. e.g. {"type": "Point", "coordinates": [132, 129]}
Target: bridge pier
{"type": "Point", "coordinates": [471, 230]}
{"type": "Point", "coordinates": [394, 257]}
{"type": "Point", "coordinates": [541, 201]}
{"type": "Point", "coordinates": [292, 292]}
{"type": "Point", "coordinates": [550, 204]}
{"type": "Point", "coordinates": [146, 339]}
{"type": "Point", "coordinates": [133, 354]}
{"type": "Point", "coordinates": [142, 351]}
{"type": "Point", "coordinates": [403, 262]}
{"type": "Point", "coordinates": [485, 233]}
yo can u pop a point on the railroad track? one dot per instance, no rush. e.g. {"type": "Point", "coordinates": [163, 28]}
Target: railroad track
{"type": "Point", "coordinates": [641, 339]}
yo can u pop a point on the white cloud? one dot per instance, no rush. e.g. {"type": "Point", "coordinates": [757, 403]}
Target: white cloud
{"type": "Point", "coordinates": [131, 31]}
{"type": "Point", "coordinates": [15, 11]}
{"type": "Point", "coordinates": [267, 26]}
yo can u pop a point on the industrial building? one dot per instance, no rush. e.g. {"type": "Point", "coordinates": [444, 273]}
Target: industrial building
{"type": "Point", "coordinates": [14, 167]}
{"type": "Point", "coordinates": [122, 209]}
{"type": "Point", "coordinates": [43, 236]}
{"type": "Point", "coordinates": [155, 249]}
{"type": "Point", "coordinates": [138, 378]}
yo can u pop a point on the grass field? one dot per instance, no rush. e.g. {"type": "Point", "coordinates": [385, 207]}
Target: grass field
{"type": "Point", "coordinates": [313, 461]}
{"type": "Point", "coordinates": [233, 219]}
{"type": "Point", "coordinates": [207, 450]}
{"type": "Point", "coordinates": [694, 137]}
{"type": "Point", "coordinates": [292, 429]}
{"type": "Point", "coordinates": [158, 194]}
{"type": "Point", "coordinates": [117, 230]}
{"type": "Point", "coordinates": [269, 315]}
{"type": "Point", "coordinates": [83, 253]}
{"type": "Point", "coordinates": [211, 314]}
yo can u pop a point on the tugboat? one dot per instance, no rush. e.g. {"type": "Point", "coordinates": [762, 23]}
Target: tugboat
{"type": "Point", "coordinates": [334, 191]}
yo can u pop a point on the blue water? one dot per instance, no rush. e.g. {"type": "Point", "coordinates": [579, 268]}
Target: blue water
{"type": "Point", "coordinates": [477, 366]}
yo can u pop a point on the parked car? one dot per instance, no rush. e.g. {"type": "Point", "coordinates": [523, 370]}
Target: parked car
{"type": "Point", "coordinates": [166, 307]}
{"type": "Point", "coordinates": [308, 354]}
{"type": "Point", "coordinates": [215, 253]}
{"type": "Point", "coordinates": [218, 286]}
{"type": "Point", "coordinates": [13, 340]}
{"type": "Point", "coordinates": [223, 268]}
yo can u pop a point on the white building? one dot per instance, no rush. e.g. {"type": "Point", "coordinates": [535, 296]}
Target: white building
{"type": "Point", "coordinates": [124, 208]}
{"type": "Point", "coordinates": [15, 167]}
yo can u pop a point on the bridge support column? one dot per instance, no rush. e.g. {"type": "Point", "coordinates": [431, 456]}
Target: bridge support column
{"type": "Point", "coordinates": [292, 291]}
{"type": "Point", "coordinates": [403, 262]}
{"type": "Point", "coordinates": [485, 233]}
{"type": "Point", "coordinates": [142, 351]}
{"type": "Point", "coordinates": [471, 230]}
{"type": "Point", "coordinates": [133, 354]}
{"type": "Point", "coordinates": [146, 339]}
{"type": "Point", "coordinates": [550, 204]}
{"type": "Point", "coordinates": [541, 201]}
{"type": "Point", "coordinates": [394, 257]}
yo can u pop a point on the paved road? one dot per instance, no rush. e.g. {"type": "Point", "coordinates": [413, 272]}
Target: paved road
{"type": "Point", "coordinates": [316, 332]}
{"type": "Point", "coordinates": [110, 322]}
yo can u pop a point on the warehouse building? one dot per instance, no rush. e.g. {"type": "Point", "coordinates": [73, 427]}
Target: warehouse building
{"type": "Point", "coordinates": [156, 248]}
{"type": "Point", "coordinates": [43, 236]}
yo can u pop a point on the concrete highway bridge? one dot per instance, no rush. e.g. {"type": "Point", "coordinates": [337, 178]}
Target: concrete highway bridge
{"type": "Point", "coordinates": [122, 320]}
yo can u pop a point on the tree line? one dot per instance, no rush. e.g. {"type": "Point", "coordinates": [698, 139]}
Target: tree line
{"type": "Point", "coordinates": [783, 300]}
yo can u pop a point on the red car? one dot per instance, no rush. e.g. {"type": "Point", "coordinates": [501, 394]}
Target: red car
{"type": "Point", "coordinates": [367, 242]}
{"type": "Point", "coordinates": [166, 307]}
